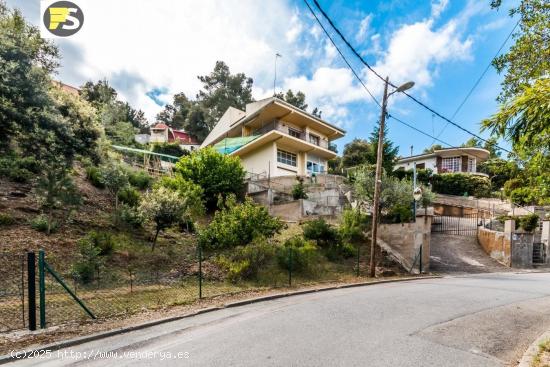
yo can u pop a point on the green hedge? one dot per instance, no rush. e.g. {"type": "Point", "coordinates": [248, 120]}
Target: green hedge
{"type": "Point", "coordinates": [461, 184]}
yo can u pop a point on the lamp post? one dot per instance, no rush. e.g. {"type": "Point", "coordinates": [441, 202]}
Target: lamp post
{"type": "Point", "coordinates": [378, 178]}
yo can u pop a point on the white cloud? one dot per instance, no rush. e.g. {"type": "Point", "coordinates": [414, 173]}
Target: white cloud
{"type": "Point", "coordinates": [364, 27]}
{"type": "Point", "coordinates": [416, 50]}
{"type": "Point", "coordinates": [438, 6]}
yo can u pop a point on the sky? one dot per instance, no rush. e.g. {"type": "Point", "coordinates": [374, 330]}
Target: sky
{"type": "Point", "coordinates": [150, 50]}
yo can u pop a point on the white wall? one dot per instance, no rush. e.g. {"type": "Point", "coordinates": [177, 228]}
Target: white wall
{"type": "Point", "coordinates": [430, 163]}
{"type": "Point", "coordinates": [258, 160]}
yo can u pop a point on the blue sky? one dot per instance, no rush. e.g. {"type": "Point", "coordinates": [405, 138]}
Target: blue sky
{"type": "Point", "coordinates": [150, 50]}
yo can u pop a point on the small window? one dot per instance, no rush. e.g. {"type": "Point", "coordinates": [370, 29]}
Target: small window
{"type": "Point", "coordinates": [314, 139]}
{"type": "Point", "coordinates": [286, 157]}
{"type": "Point", "coordinates": [295, 133]}
{"type": "Point", "coordinates": [471, 165]}
{"type": "Point", "coordinates": [451, 164]}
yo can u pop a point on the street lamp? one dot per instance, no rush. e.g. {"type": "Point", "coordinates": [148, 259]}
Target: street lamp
{"type": "Point", "coordinates": [378, 179]}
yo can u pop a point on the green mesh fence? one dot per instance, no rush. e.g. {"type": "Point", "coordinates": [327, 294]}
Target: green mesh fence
{"type": "Point", "coordinates": [229, 145]}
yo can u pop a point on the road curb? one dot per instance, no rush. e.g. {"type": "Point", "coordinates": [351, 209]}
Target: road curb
{"type": "Point", "coordinates": [105, 334]}
{"type": "Point", "coordinates": [533, 350]}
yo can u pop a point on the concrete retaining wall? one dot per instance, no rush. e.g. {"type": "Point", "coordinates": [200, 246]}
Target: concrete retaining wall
{"type": "Point", "coordinates": [495, 244]}
{"type": "Point", "coordinates": [403, 241]}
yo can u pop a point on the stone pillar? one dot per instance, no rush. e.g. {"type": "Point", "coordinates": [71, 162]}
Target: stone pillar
{"type": "Point", "coordinates": [424, 226]}
{"type": "Point", "coordinates": [545, 238]}
{"type": "Point", "coordinates": [509, 226]}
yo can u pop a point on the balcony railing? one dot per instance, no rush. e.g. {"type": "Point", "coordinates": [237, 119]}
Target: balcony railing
{"type": "Point", "coordinates": [298, 134]}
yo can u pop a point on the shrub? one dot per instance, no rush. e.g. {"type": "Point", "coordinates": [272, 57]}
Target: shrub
{"type": "Point", "coordinates": [21, 175]}
{"type": "Point", "coordinates": [90, 263]}
{"type": "Point", "coordinates": [511, 185]}
{"type": "Point", "coordinates": [216, 173]}
{"type": "Point", "coordinates": [140, 179]}
{"type": "Point", "coordinates": [399, 214]}
{"type": "Point", "coordinates": [6, 219]}
{"type": "Point", "coordinates": [423, 176]}
{"type": "Point", "coordinates": [93, 174]}
{"type": "Point", "coordinates": [29, 163]}
{"type": "Point", "coordinates": [20, 170]}
{"type": "Point", "coordinates": [41, 223]}
{"type": "Point", "coordinates": [529, 222]}
{"type": "Point", "coordinates": [103, 241]}
{"type": "Point", "coordinates": [246, 261]}
{"type": "Point", "coordinates": [129, 196]}
{"type": "Point", "coordinates": [321, 232]}
{"type": "Point", "coordinates": [298, 190]}
{"type": "Point", "coordinates": [173, 149]}
{"type": "Point", "coordinates": [461, 184]}
{"type": "Point", "coordinates": [523, 196]}
{"type": "Point", "coordinates": [305, 255]}
{"type": "Point", "coordinates": [130, 216]}
{"type": "Point", "coordinates": [238, 225]}
{"type": "Point", "coordinates": [354, 223]}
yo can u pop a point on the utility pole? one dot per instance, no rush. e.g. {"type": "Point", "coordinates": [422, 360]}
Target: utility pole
{"type": "Point", "coordinates": [378, 179]}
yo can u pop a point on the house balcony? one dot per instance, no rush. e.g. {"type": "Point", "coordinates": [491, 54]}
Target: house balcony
{"type": "Point", "coordinates": [279, 126]}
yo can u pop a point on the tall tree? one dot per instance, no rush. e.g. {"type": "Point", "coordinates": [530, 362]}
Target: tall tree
{"type": "Point", "coordinates": [26, 59]}
{"type": "Point", "coordinates": [356, 153]}
{"type": "Point", "coordinates": [175, 114]}
{"type": "Point", "coordinates": [297, 100]}
{"type": "Point", "coordinates": [221, 90]}
{"type": "Point", "coordinates": [529, 58]}
{"type": "Point", "coordinates": [389, 151]}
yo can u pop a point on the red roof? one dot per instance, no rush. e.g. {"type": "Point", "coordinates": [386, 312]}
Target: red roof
{"type": "Point", "coordinates": [160, 126]}
{"type": "Point", "coordinates": [183, 137]}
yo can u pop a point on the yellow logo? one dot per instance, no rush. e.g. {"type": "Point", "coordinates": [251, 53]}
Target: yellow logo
{"type": "Point", "coordinates": [57, 15]}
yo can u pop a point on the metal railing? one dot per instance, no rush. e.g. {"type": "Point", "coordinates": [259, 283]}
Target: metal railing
{"type": "Point", "coordinates": [277, 125]}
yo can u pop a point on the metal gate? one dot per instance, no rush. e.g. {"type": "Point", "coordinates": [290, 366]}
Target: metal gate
{"type": "Point", "coordinates": [465, 225]}
{"type": "Point", "coordinates": [13, 286]}
{"type": "Point", "coordinates": [539, 253]}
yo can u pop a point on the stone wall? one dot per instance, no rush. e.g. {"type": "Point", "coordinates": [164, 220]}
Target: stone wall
{"type": "Point", "coordinates": [495, 244]}
{"type": "Point", "coordinates": [403, 242]}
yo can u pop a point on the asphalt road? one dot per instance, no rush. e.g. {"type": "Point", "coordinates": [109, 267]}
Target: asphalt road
{"type": "Point", "coordinates": [479, 320]}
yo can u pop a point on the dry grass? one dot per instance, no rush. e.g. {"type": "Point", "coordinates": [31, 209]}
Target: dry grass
{"type": "Point", "coordinates": [542, 359]}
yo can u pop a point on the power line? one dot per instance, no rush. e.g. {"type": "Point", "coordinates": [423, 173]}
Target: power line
{"type": "Point", "coordinates": [342, 55]}
{"type": "Point", "coordinates": [480, 77]}
{"type": "Point", "coordinates": [417, 101]}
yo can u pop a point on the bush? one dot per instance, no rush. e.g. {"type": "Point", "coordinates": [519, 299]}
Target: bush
{"type": "Point", "coordinates": [91, 261]}
{"type": "Point", "coordinates": [461, 184]}
{"type": "Point", "coordinates": [246, 261]}
{"type": "Point", "coordinates": [238, 224]}
{"type": "Point", "coordinates": [40, 223]}
{"type": "Point", "coordinates": [20, 170]}
{"type": "Point", "coordinates": [6, 219]}
{"type": "Point", "coordinates": [399, 214]}
{"type": "Point", "coordinates": [216, 173]}
{"type": "Point", "coordinates": [321, 232]}
{"type": "Point", "coordinates": [523, 196]}
{"type": "Point", "coordinates": [529, 222]}
{"type": "Point", "coordinates": [130, 216]}
{"type": "Point", "coordinates": [21, 175]}
{"type": "Point", "coordinates": [129, 196]}
{"type": "Point", "coordinates": [354, 223]}
{"type": "Point", "coordinates": [93, 174]}
{"type": "Point", "coordinates": [511, 185]}
{"type": "Point", "coordinates": [423, 176]}
{"type": "Point", "coordinates": [298, 190]}
{"type": "Point", "coordinates": [103, 241]}
{"type": "Point", "coordinates": [172, 149]}
{"type": "Point", "coordinates": [305, 255]}
{"type": "Point", "coordinates": [28, 163]}
{"type": "Point", "coordinates": [140, 179]}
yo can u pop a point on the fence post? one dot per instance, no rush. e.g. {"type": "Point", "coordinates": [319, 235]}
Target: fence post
{"type": "Point", "coordinates": [358, 247]}
{"type": "Point", "coordinates": [200, 272]}
{"type": "Point", "coordinates": [290, 266]}
{"type": "Point", "coordinates": [420, 262]}
{"type": "Point", "coordinates": [42, 288]}
{"type": "Point", "coordinates": [31, 291]}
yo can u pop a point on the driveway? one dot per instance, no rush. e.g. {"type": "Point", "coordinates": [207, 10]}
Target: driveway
{"type": "Point", "coordinates": [457, 254]}
{"type": "Point", "coordinates": [479, 320]}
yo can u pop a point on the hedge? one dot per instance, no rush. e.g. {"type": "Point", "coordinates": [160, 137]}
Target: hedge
{"type": "Point", "coordinates": [461, 184]}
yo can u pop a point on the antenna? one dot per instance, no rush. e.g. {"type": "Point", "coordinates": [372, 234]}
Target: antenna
{"type": "Point", "coordinates": [275, 74]}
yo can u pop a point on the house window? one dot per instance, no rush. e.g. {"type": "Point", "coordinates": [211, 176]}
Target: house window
{"type": "Point", "coordinates": [315, 167]}
{"type": "Point", "coordinates": [295, 133]}
{"type": "Point", "coordinates": [313, 139]}
{"type": "Point", "coordinates": [471, 165]}
{"type": "Point", "coordinates": [451, 164]}
{"type": "Point", "coordinates": [286, 157]}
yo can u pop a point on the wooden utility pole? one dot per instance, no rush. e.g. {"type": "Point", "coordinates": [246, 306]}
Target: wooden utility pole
{"type": "Point", "coordinates": [377, 182]}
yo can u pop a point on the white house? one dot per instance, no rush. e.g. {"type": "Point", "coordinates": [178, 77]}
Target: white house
{"type": "Point", "coordinates": [463, 160]}
{"type": "Point", "coordinates": [275, 138]}
{"type": "Point", "coordinates": [162, 133]}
